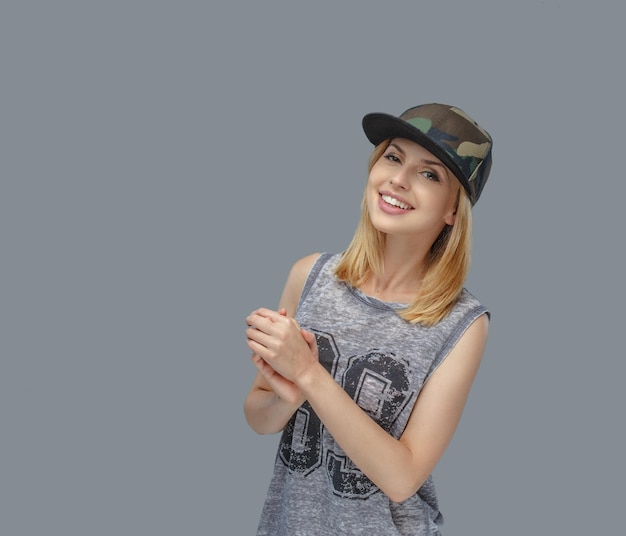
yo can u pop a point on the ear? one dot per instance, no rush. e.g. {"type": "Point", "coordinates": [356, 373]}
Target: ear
{"type": "Point", "coordinates": [450, 217]}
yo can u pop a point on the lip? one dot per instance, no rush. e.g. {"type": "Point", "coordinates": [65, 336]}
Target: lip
{"type": "Point", "coordinates": [391, 209]}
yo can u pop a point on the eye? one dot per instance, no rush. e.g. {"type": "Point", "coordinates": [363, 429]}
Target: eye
{"type": "Point", "coordinates": [430, 175]}
{"type": "Point", "coordinates": [392, 157]}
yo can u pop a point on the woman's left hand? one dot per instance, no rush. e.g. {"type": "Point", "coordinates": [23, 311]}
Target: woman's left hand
{"type": "Point", "coordinates": [279, 341]}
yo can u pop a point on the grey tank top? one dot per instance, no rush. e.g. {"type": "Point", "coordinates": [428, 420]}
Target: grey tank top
{"type": "Point", "coordinates": [382, 361]}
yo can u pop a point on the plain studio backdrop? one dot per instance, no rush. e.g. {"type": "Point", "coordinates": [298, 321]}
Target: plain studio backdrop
{"type": "Point", "coordinates": [164, 163]}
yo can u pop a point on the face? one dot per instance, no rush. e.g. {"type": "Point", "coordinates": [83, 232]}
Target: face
{"type": "Point", "coordinates": [411, 192]}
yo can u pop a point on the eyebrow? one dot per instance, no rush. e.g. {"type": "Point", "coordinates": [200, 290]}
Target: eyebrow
{"type": "Point", "coordinates": [397, 147]}
{"type": "Point", "coordinates": [435, 163]}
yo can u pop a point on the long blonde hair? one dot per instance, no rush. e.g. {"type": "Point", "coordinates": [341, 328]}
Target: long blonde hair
{"type": "Point", "coordinates": [447, 264]}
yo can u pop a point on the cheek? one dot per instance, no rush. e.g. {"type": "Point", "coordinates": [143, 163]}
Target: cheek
{"type": "Point", "coordinates": [447, 196]}
{"type": "Point", "coordinates": [371, 187]}
{"type": "Point", "coordinates": [372, 176]}
{"type": "Point", "coordinates": [371, 197]}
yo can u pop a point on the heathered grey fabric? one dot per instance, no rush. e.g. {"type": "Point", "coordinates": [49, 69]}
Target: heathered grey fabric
{"type": "Point", "coordinates": [382, 361]}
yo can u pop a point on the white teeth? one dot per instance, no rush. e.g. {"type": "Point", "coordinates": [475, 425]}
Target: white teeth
{"type": "Point", "coordinates": [393, 201]}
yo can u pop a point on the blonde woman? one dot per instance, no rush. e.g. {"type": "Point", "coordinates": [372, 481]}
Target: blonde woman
{"type": "Point", "coordinates": [367, 363]}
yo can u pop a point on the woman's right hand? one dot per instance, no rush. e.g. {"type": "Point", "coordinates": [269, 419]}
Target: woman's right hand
{"type": "Point", "coordinates": [285, 389]}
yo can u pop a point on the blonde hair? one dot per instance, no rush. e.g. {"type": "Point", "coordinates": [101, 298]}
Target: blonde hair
{"type": "Point", "coordinates": [447, 264]}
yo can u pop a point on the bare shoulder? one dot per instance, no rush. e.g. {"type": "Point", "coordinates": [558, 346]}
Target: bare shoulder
{"type": "Point", "coordinates": [295, 282]}
{"type": "Point", "coordinates": [464, 359]}
{"type": "Point", "coordinates": [301, 268]}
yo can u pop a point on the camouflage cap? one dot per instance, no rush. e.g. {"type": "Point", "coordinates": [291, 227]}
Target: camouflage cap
{"type": "Point", "coordinates": [447, 132]}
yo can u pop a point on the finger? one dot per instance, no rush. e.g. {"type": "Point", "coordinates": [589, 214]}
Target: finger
{"type": "Point", "coordinates": [307, 336]}
{"type": "Point", "coordinates": [265, 369]}
{"type": "Point", "coordinates": [265, 313]}
{"type": "Point", "coordinates": [258, 349]}
{"type": "Point", "coordinates": [260, 365]}
{"type": "Point", "coordinates": [257, 360]}
{"type": "Point", "coordinates": [268, 313]}
{"type": "Point", "coordinates": [262, 323]}
{"type": "Point", "coordinates": [311, 340]}
{"type": "Point", "coordinates": [261, 339]}
{"type": "Point", "coordinates": [258, 336]}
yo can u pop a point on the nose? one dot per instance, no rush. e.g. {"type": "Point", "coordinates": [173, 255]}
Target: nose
{"type": "Point", "coordinates": [400, 179]}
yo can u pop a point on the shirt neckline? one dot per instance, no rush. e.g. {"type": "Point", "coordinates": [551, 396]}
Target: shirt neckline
{"type": "Point", "coordinates": [375, 302]}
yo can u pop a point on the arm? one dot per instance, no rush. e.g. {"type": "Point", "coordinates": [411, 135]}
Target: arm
{"type": "Point", "coordinates": [272, 399]}
{"type": "Point", "coordinates": [397, 466]}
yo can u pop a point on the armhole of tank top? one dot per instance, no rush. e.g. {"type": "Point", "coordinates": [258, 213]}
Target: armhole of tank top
{"type": "Point", "coordinates": [315, 270]}
{"type": "Point", "coordinates": [468, 319]}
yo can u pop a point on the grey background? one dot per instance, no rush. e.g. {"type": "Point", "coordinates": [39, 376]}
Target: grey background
{"type": "Point", "coordinates": [164, 163]}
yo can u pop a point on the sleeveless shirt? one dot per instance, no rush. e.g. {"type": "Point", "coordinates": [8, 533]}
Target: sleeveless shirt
{"type": "Point", "coordinates": [382, 362]}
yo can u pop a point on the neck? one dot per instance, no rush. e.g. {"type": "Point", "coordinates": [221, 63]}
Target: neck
{"type": "Point", "coordinates": [404, 264]}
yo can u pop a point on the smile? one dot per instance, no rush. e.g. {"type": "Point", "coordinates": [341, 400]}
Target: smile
{"type": "Point", "coordinates": [395, 202]}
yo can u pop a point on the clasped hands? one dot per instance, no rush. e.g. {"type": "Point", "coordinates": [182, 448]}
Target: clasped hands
{"type": "Point", "coordinates": [282, 351]}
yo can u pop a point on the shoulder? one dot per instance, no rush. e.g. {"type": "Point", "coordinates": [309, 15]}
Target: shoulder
{"type": "Point", "coordinates": [467, 308]}
{"type": "Point", "coordinates": [467, 298]}
{"type": "Point", "coordinates": [301, 268]}
{"type": "Point", "coordinates": [296, 281]}
{"type": "Point", "coordinates": [462, 363]}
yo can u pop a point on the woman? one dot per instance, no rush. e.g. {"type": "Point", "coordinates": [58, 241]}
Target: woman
{"type": "Point", "coordinates": [368, 362]}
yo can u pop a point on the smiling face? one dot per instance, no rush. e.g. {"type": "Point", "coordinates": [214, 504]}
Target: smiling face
{"type": "Point", "coordinates": [411, 192]}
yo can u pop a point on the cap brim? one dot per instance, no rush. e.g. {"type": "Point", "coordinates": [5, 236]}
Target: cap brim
{"type": "Point", "coordinates": [379, 127]}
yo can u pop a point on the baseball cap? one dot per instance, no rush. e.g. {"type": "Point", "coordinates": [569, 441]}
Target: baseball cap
{"type": "Point", "coordinates": [448, 133]}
